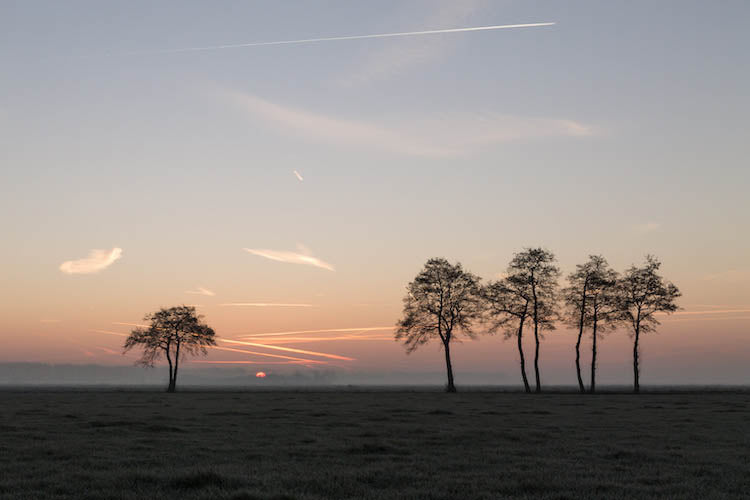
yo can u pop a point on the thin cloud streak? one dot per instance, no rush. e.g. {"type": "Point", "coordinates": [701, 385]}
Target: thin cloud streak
{"type": "Point", "coordinates": [238, 362]}
{"type": "Point", "coordinates": [289, 349]}
{"type": "Point", "coordinates": [107, 332]}
{"type": "Point", "coordinates": [439, 136]}
{"type": "Point", "coordinates": [262, 304]}
{"type": "Point", "coordinates": [96, 261]}
{"type": "Point", "coordinates": [302, 256]}
{"type": "Point", "coordinates": [279, 356]}
{"type": "Point", "coordinates": [292, 340]}
{"type": "Point", "coordinates": [714, 311]}
{"type": "Point", "coordinates": [201, 291]}
{"type": "Point", "coordinates": [327, 330]}
{"type": "Point", "coordinates": [341, 38]}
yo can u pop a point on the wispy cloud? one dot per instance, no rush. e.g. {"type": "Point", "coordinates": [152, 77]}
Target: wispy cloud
{"type": "Point", "coordinates": [648, 227]}
{"type": "Point", "coordinates": [107, 332]}
{"type": "Point", "coordinates": [298, 175]}
{"type": "Point", "coordinates": [327, 330]}
{"type": "Point", "coordinates": [301, 256]}
{"type": "Point", "coordinates": [263, 304]}
{"type": "Point", "coordinates": [96, 261]}
{"type": "Point", "coordinates": [201, 291]}
{"type": "Point", "coordinates": [304, 340]}
{"type": "Point", "coordinates": [440, 135]}
{"type": "Point", "coordinates": [108, 350]}
{"type": "Point", "coordinates": [243, 362]}
{"type": "Point", "coordinates": [289, 349]}
{"type": "Point", "coordinates": [267, 355]}
{"type": "Point", "coordinates": [713, 311]}
{"type": "Point", "coordinates": [391, 58]}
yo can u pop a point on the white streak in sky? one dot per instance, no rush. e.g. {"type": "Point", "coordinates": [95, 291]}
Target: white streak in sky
{"type": "Point", "coordinates": [327, 330]}
{"type": "Point", "coordinates": [96, 261]}
{"type": "Point", "coordinates": [340, 38]}
{"type": "Point", "coordinates": [262, 304]}
{"type": "Point", "coordinates": [299, 177]}
{"type": "Point", "coordinates": [302, 256]}
{"type": "Point", "coordinates": [202, 291]}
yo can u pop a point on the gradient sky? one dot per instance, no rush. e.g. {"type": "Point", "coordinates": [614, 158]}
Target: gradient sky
{"type": "Point", "coordinates": [323, 175]}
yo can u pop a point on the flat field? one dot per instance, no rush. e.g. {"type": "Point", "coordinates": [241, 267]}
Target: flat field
{"type": "Point", "coordinates": [373, 445]}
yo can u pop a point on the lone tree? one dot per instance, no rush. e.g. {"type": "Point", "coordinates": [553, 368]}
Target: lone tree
{"type": "Point", "coordinates": [508, 308]}
{"type": "Point", "coordinates": [176, 332]}
{"type": "Point", "coordinates": [591, 300]}
{"type": "Point", "coordinates": [642, 293]}
{"type": "Point", "coordinates": [535, 267]}
{"type": "Point", "coordinates": [444, 302]}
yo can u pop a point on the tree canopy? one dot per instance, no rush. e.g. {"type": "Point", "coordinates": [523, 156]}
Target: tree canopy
{"type": "Point", "coordinates": [444, 302]}
{"type": "Point", "coordinates": [174, 332]}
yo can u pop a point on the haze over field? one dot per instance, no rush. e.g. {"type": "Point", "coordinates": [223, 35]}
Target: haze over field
{"type": "Point", "coordinates": [290, 191]}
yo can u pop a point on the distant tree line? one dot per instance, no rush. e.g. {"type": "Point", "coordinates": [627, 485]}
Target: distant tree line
{"type": "Point", "coordinates": [446, 302]}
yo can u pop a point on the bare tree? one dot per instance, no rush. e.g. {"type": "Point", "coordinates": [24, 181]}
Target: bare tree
{"type": "Point", "coordinates": [642, 293]}
{"type": "Point", "coordinates": [575, 295]}
{"type": "Point", "coordinates": [536, 268]}
{"type": "Point", "coordinates": [508, 308]}
{"type": "Point", "coordinates": [175, 332]}
{"type": "Point", "coordinates": [443, 301]}
{"type": "Point", "coordinates": [591, 300]}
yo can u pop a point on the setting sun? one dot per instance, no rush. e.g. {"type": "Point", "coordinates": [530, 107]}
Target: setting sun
{"type": "Point", "coordinates": [260, 375]}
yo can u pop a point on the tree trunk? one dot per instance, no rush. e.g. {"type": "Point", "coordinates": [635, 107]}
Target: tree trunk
{"type": "Point", "coordinates": [176, 365]}
{"type": "Point", "coordinates": [523, 360]}
{"type": "Point", "coordinates": [449, 368]}
{"type": "Point", "coordinates": [581, 387]}
{"type": "Point", "coordinates": [536, 338]}
{"type": "Point", "coordinates": [592, 389]}
{"type": "Point", "coordinates": [170, 387]}
{"type": "Point", "coordinates": [536, 360]}
{"type": "Point", "coordinates": [636, 383]}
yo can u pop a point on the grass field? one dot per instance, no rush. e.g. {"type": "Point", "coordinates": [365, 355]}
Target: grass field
{"type": "Point", "coordinates": [315, 445]}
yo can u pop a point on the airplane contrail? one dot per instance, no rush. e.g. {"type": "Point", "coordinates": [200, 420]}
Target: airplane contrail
{"type": "Point", "coordinates": [339, 38]}
{"type": "Point", "coordinates": [289, 349]}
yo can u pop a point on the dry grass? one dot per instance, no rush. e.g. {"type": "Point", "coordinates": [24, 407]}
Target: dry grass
{"type": "Point", "coordinates": [308, 445]}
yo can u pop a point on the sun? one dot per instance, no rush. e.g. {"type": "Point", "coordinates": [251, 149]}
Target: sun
{"type": "Point", "coordinates": [260, 375]}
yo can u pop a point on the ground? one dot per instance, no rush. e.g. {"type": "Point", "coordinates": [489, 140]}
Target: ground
{"type": "Point", "coordinates": [372, 445]}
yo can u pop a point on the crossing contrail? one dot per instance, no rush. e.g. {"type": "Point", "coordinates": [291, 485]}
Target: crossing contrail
{"type": "Point", "coordinates": [338, 38]}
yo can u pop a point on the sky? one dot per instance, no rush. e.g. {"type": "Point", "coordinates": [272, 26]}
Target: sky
{"type": "Point", "coordinates": [299, 187]}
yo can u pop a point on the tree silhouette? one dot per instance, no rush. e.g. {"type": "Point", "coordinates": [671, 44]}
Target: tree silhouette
{"type": "Point", "coordinates": [642, 293]}
{"type": "Point", "coordinates": [536, 268]}
{"type": "Point", "coordinates": [442, 302]}
{"type": "Point", "coordinates": [575, 295]}
{"type": "Point", "coordinates": [175, 332]}
{"type": "Point", "coordinates": [591, 300]}
{"type": "Point", "coordinates": [508, 308]}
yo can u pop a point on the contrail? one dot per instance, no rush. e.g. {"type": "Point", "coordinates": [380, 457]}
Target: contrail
{"type": "Point", "coordinates": [364, 329]}
{"type": "Point", "coordinates": [338, 38]}
{"type": "Point", "coordinates": [289, 349]}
